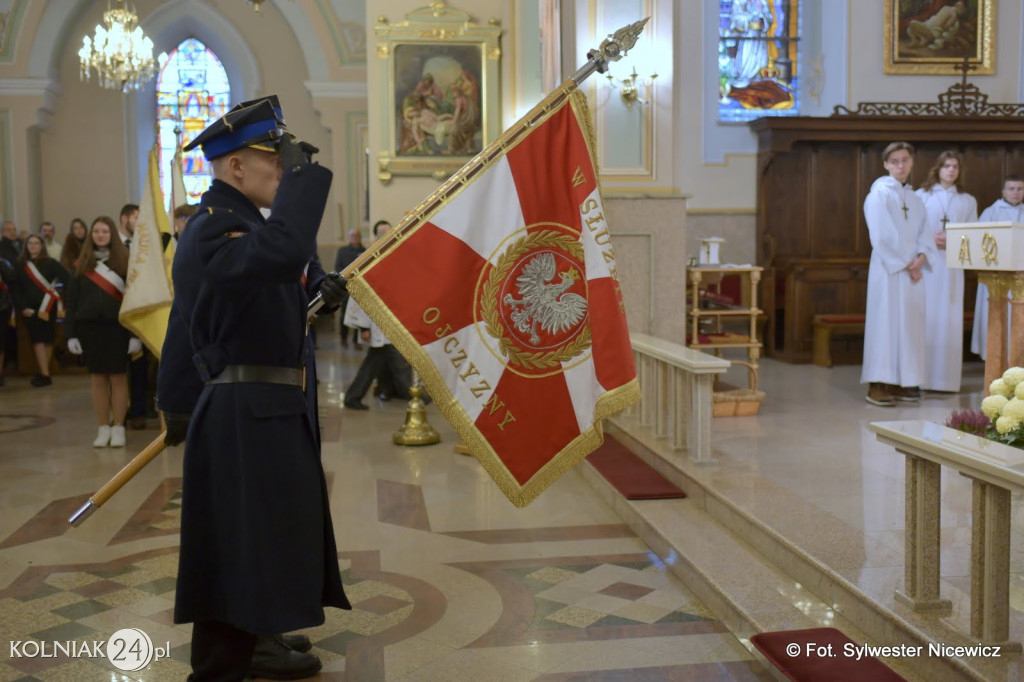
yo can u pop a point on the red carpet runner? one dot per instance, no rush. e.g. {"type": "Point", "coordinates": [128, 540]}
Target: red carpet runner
{"type": "Point", "coordinates": [821, 656]}
{"type": "Point", "coordinates": [630, 475]}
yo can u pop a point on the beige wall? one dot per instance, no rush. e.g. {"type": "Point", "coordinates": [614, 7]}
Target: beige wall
{"type": "Point", "coordinates": [868, 83]}
{"type": "Point", "coordinates": [736, 227]}
{"type": "Point", "coordinates": [650, 236]}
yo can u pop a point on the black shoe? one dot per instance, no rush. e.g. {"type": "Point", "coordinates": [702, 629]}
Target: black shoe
{"type": "Point", "coordinates": [272, 659]}
{"type": "Point", "coordinates": [298, 643]}
{"type": "Point", "coordinates": [355, 405]}
{"type": "Point", "coordinates": [1, 381]}
{"type": "Point", "coordinates": [39, 381]}
{"type": "Point", "coordinates": [137, 423]}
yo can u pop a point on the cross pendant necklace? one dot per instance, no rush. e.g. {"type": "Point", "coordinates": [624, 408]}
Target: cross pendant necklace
{"type": "Point", "coordinates": [945, 211]}
{"type": "Point", "coordinates": [903, 201]}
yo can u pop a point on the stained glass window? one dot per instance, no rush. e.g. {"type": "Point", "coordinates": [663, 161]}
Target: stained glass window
{"type": "Point", "coordinates": [757, 59]}
{"type": "Point", "coordinates": [191, 93]}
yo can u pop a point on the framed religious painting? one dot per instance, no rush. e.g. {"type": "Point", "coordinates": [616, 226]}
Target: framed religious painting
{"type": "Point", "coordinates": [438, 91]}
{"type": "Point", "coordinates": [935, 36]}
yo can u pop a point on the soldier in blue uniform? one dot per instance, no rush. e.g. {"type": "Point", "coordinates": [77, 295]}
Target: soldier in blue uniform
{"type": "Point", "coordinates": [257, 546]}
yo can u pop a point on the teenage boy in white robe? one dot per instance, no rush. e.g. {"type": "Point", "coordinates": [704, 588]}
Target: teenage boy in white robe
{"type": "Point", "coordinates": [900, 249]}
{"type": "Point", "coordinates": [1009, 208]}
{"type": "Point", "coordinates": [944, 202]}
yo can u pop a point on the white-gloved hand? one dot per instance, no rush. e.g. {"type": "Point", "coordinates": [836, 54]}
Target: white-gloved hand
{"type": "Point", "coordinates": [134, 346]}
{"type": "Point", "coordinates": [75, 346]}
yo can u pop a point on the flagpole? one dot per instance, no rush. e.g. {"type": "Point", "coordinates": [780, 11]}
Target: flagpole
{"type": "Point", "coordinates": [611, 49]}
{"type": "Point", "coordinates": [117, 482]}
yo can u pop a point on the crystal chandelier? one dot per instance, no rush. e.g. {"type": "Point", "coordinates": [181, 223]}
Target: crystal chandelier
{"type": "Point", "coordinates": [121, 55]}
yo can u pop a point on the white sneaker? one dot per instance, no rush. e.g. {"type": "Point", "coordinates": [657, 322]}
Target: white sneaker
{"type": "Point", "coordinates": [102, 437]}
{"type": "Point", "coordinates": [117, 436]}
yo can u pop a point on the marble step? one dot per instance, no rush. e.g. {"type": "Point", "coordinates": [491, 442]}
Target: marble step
{"type": "Point", "coordinates": [755, 580]}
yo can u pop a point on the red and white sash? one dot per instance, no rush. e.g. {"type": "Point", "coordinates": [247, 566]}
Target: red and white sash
{"type": "Point", "coordinates": [107, 280]}
{"type": "Point", "coordinates": [50, 295]}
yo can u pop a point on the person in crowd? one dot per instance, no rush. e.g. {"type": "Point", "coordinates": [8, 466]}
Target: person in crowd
{"type": "Point", "coordinates": [73, 244]}
{"type": "Point", "coordinates": [93, 302]}
{"type": "Point", "coordinates": [10, 251]}
{"type": "Point", "coordinates": [39, 280]}
{"type": "Point", "coordinates": [1010, 208]}
{"type": "Point", "coordinates": [901, 247]}
{"type": "Point", "coordinates": [346, 256]}
{"type": "Point", "coordinates": [382, 362]}
{"type": "Point", "coordinates": [128, 217]}
{"type": "Point", "coordinates": [237, 276]}
{"type": "Point", "coordinates": [10, 245]}
{"type": "Point", "coordinates": [138, 367]}
{"type": "Point", "coordinates": [944, 202]}
{"type": "Point", "coordinates": [7, 313]}
{"type": "Point", "coordinates": [181, 215]}
{"type": "Point", "coordinates": [49, 234]}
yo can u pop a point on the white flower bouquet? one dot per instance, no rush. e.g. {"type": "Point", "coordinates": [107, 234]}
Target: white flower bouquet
{"type": "Point", "coordinates": [1005, 408]}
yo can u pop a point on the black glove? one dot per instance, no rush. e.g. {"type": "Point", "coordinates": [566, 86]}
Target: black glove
{"type": "Point", "coordinates": [332, 288]}
{"type": "Point", "coordinates": [295, 152]}
{"type": "Point", "coordinates": [177, 428]}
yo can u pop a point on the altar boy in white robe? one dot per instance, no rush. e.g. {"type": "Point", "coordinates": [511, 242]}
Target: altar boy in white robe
{"type": "Point", "coordinates": [944, 202]}
{"type": "Point", "coordinates": [901, 248]}
{"type": "Point", "coordinates": [1009, 208]}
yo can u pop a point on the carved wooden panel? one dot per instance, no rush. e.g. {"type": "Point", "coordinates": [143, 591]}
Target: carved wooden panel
{"type": "Point", "coordinates": [816, 287]}
{"type": "Point", "coordinates": [833, 237]}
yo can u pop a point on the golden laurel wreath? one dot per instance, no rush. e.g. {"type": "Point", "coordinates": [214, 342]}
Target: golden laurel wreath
{"type": "Point", "coordinates": [489, 302]}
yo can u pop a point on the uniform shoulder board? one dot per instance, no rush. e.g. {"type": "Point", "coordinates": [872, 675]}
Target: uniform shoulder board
{"type": "Point", "coordinates": [225, 212]}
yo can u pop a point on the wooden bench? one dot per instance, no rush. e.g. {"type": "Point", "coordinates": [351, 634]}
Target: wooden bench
{"type": "Point", "coordinates": [844, 323]}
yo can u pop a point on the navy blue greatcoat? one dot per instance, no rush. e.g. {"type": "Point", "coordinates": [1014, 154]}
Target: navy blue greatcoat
{"type": "Point", "coordinates": [257, 544]}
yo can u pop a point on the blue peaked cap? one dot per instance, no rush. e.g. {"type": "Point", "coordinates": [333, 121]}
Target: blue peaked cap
{"type": "Point", "coordinates": [257, 123]}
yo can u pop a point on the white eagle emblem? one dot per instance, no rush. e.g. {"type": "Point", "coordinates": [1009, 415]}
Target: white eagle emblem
{"type": "Point", "coordinates": [542, 304]}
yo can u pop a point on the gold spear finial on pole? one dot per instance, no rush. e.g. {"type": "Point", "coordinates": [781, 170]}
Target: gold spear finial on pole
{"type": "Point", "coordinates": [611, 49]}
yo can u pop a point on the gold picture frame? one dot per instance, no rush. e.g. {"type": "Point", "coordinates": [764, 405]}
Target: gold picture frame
{"type": "Point", "coordinates": [438, 91]}
{"type": "Point", "coordinates": [923, 38]}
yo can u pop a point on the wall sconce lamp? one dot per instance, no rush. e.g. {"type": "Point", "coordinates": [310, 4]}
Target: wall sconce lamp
{"type": "Point", "coordinates": [629, 88]}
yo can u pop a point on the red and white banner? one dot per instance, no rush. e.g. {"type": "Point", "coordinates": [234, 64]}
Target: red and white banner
{"type": "Point", "coordinates": [505, 299]}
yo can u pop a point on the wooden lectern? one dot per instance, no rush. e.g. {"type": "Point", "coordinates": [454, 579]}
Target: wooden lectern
{"type": "Point", "coordinates": [996, 251]}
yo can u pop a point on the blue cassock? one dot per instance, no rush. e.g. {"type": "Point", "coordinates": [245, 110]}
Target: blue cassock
{"type": "Point", "coordinates": [257, 543]}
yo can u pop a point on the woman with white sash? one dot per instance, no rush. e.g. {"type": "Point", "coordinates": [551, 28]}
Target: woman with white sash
{"type": "Point", "coordinates": [94, 300]}
{"type": "Point", "coordinates": [944, 202]}
{"type": "Point", "coordinates": [38, 281]}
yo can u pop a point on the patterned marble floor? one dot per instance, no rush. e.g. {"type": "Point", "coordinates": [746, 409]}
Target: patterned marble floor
{"type": "Point", "coordinates": [448, 580]}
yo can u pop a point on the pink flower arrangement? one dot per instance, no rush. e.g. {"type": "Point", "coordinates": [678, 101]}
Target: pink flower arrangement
{"type": "Point", "coordinates": [970, 421]}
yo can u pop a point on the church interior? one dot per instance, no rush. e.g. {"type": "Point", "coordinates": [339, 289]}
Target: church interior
{"type": "Point", "coordinates": [735, 143]}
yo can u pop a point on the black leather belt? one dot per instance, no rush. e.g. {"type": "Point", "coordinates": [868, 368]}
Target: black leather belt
{"type": "Point", "coordinates": [260, 374]}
